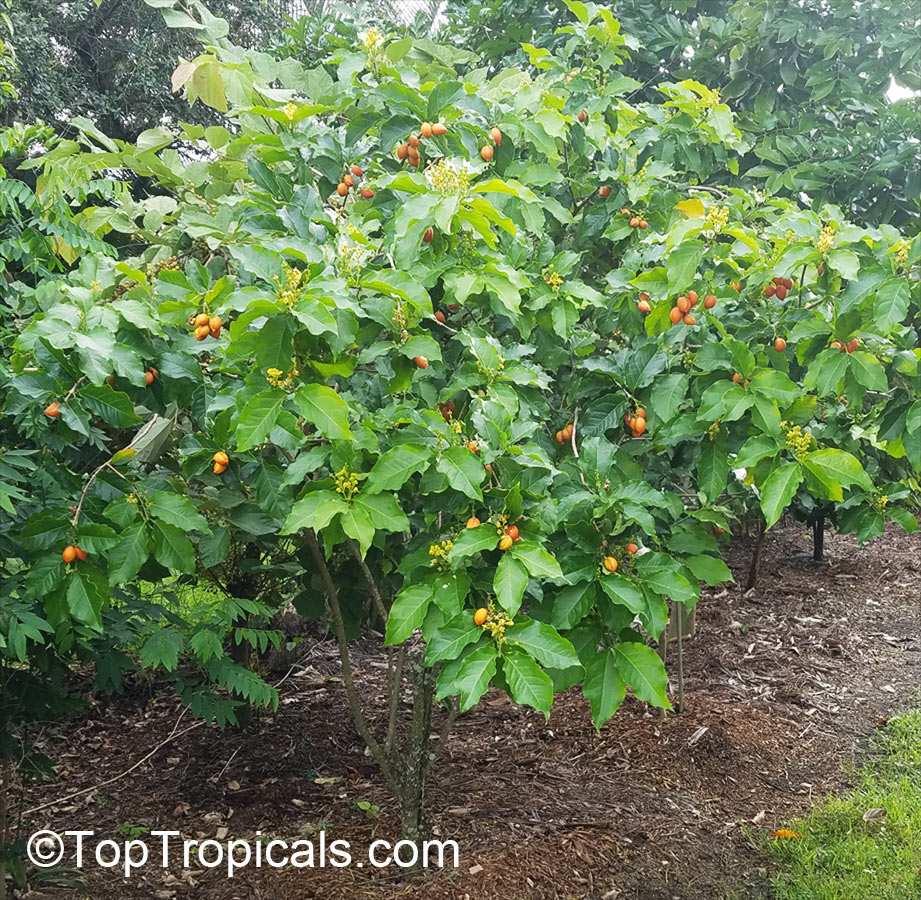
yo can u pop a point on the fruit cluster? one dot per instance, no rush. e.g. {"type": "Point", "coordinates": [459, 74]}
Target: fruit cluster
{"type": "Point", "coordinates": [447, 410]}
{"type": "Point", "coordinates": [564, 435]}
{"type": "Point", "coordinates": [635, 220]}
{"type": "Point", "coordinates": [348, 182]}
{"type": "Point", "coordinates": [779, 287]}
{"type": "Point", "coordinates": [149, 376]}
{"type": "Point", "coordinates": [849, 347]}
{"type": "Point", "coordinates": [72, 552]}
{"type": "Point", "coordinates": [643, 306]}
{"type": "Point", "coordinates": [486, 151]}
{"type": "Point", "coordinates": [221, 460]}
{"type": "Point", "coordinates": [637, 422]}
{"type": "Point", "coordinates": [409, 152]}
{"type": "Point", "coordinates": [204, 325]}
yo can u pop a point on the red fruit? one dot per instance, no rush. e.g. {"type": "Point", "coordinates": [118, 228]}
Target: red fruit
{"type": "Point", "coordinates": [348, 181]}
{"type": "Point", "coordinates": [787, 283]}
{"type": "Point", "coordinates": [421, 362]}
{"type": "Point", "coordinates": [644, 296]}
{"type": "Point", "coordinates": [632, 548]}
{"type": "Point", "coordinates": [496, 136]}
{"type": "Point", "coordinates": [488, 468]}
{"type": "Point", "coordinates": [781, 292]}
{"type": "Point", "coordinates": [428, 235]}
{"type": "Point", "coordinates": [643, 306]}
{"type": "Point", "coordinates": [439, 129]}
{"type": "Point", "coordinates": [53, 410]}
{"type": "Point", "coordinates": [635, 222]}
{"type": "Point", "coordinates": [367, 193]}
{"type": "Point", "coordinates": [852, 345]}
{"type": "Point", "coordinates": [69, 554]}
{"type": "Point", "coordinates": [486, 152]}
{"type": "Point", "coordinates": [148, 378]}
{"type": "Point", "coordinates": [709, 301]}
{"type": "Point", "coordinates": [440, 316]}
{"type": "Point", "coordinates": [472, 447]}
{"type": "Point", "coordinates": [736, 377]}
{"type": "Point", "coordinates": [639, 427]}
{"type": "Point", "coordinates": [604, 190]}
{"type": "Point", "coordinates": [81, 553]}
{"type": "Point", "coordinates": [512, 532]}
{"type": "Point", "coordinates": [641, 413]}
{"type": "Point", "coordinates": [777, 279]}
{"type": "Point", "coordinates": [770, 290]}
{"type": "Point", "coordinates": [780, 345]}
{"type": "Point", "coordinates": [583, 115]}
{"type": "Point", "coordinates": [357, 171]}
{"type": "Point", "coordinates": [644, 223]}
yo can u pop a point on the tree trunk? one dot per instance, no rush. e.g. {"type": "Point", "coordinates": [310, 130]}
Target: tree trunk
{"type": "Point", "coordinates": [818, 538]}
{"type": "Point", "coordinates": [417, 759]}
{"type": "Point", "coordinates": [756, 557]}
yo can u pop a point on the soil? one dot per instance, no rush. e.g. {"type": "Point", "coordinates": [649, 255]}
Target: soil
{"type": "Point", "coordinates": [784, 686]}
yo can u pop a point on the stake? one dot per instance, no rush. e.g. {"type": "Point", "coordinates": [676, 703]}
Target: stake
{"type": "Point", "coordinates": [756, 557]}
{"type": "Point", "coordinates": [680, 624]}
{"type": "Point", "coordinates": [818, 538]}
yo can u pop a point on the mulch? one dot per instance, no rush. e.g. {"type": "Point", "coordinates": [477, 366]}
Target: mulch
{"type": "Point", "coordinates": [784, 686]}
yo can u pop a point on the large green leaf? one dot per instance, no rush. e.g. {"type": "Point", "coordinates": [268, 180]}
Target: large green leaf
{"type": "Point", "coordinates": [682, 265]}
{"type": "Point", "coordinates": [642, 668]}
{"type": "Point", "coordinates": [258, 418]}
{"type": "Point", "coordinates": [127, 557]}
{"type": "Point", "coordinates": [177, 510]}
{"type": "Point", "coordinates": [325, 409]}
{"type": "Point", "coordinates": [407, 612]}
{"type": "Point", "coordinates": [836, 469]}
{"type": "Point", "coordinates": [536, 559]}
{"type": "Point", "coordinates": [315, 510]}
{"type": "Point", "coordinates": [544, 643]}
{"type": "Point", "coordinates": [509, 583]}
{"type": "Point", "coordinates": [463, 469]}
{"type": "Point", "coordinates": [172, 548]}
{"type": "Point", "coordinates": [779, 489]}
{"type": "Point", "coordinates": [528, 683]}
{"type": "Point", "coordinates": [603, 686]}
{"type": "Point", "coordinates": [396, 466]}
{"type": "Point", "coordinates": [113, 407]}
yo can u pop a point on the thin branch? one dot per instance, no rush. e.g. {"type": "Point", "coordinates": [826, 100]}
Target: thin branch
{"type": "Point", "coordinates": [439, 745]}
{"type": "Point", "coordinates": [572, 440]}
{"type": "Point", "coordinates": [372, 584]}
{"type": "Point", "coordinates": [395, 684]}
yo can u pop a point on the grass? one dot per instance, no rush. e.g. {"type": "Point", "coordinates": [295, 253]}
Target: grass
{"type": "Point", "coordinates": [843, 857]}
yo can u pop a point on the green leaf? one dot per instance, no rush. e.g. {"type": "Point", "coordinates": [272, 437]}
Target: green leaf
{"type": "Point", "coordinates": [113, 407]}
{"type": "Point", "coordinates": [173, 549]}
{"type": "Point", "coordinates": [845, 263]}
{"type": "Point", "coordinates": [396, 466]}
{"type": "Point", "coordinates": [407, 612]}
{"type": "Point", "coordinates": [383, 511]}
{"type": "Point", "coordinates": [544, 643]}
{"type": "Point", "coordinates": [573, 604]}
{"type": "Point", "coordinates": [668, 396]}
{"type": "Point", "coordinates": [463, 469]}
{"type": "Point", "coordinates": [528, 684]}
{"type": "Point", "coordinates": [356, 523]}
{"type": "Point", "coordinates": [162, 648]}
{"type": "Point", "coordinates": [475, 673]}
{"type": "Point", "coordinates": [177, 510]}
{"type": "Point", "coordinates": [868, 371]}
{"type": "Point", "coordinates": [891, 305]}
{"type": "Point", "coordinates": [712, 469]}
{"type": "Point", "coordinates": [85, 598]}
{"type": "Point", "coordinates": [825, 371]}
{"type": "Point", "coordinates": [258, 418]}
{"type": "Point", "coordinates": [603, 686]}
{"type": "Point", "coordinates": [623, 592]}
{"type": "Point", "coordinates": [448, 641]}
{"type": "Point", "coordinates": [127, 557]}
{"type": "Point", "coordinates": [509, 584]}
{"type": "Point", "coordinates": [682, 265]}
{"type": "Point", "coordinates": [710, 569]}
{"type": "Point", "coordinates": [642, 669]}
{"type": "Point", "coordinates": [779, 489]}
{"type": "Point", "coordinates": [314, 510]}
{"type": "Point", "coordinates": [474, 540]}
{"type": "Point", "coordinates": [323, 407]}
{"type": "Point", "coordinates": [836, 469]}
{"type": "Point", "coordinates": [536, 559]}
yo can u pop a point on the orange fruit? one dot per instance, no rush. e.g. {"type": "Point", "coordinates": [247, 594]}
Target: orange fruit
{"type": "Point", "coordinates": [583, 115]}
{"type": "Point", "coordinates": [81, 553]}
{"type": "Point", "coordinates": [215, 322]}
{"type": "Point", "coordinates": [641, 413]}
{"type": "Point", "coordinates": [634, 222]}
{"type": "Point", "coordinates": [780, 344]}
{"type": "Point", "coordinates": [736, 285]}
{"type": "Point", "coordinates": [218, 468]}
{"type": "Point", "coordinates": [777, 279]}
{"type": "Point", "coordinates": [852, 345]}
{"type": "Point", "coordinates": [640, 426]}
{"type": "Point", "coordinates": [421, 362]}
{"type": "Point", "coordinates": [148, 378]}
{"type": "Point", "coordinates": [348, 181]}
{"type": "Point", "coordinates": [643, 306]}
{"type": "Point", "coordinates": [486, 152]}
{"type": "Point", "coordinates": [154, 372]}
{"type": "Point", "coordinates": [709, 301]}
{"type": "Point", "coordinates": [604, 190]}
{"type": "Point", "coordinates": [473, 522]}
{"type": "Point", "coordinates": [215, 333]}
{"type": "Point", "coordinates": [221, 457]}
{"type": "Point", "coordinates": [788, 283]}
{"type": "Point", "coordinates": [690, 320]}
{"type": "Point", "coordinates": [496, 135]}
{"type": "Point", "coordinates": [770, 290]}
{"type": "Point", "coordinates": [439, 129]}
{"type": "Point", "coordinates": [69, 554]}
{"type": "Point", "coordinates": [505, 542]}
{"type": "Point", "coordinates": [480, 616]}
{"type": "Point", "coordinates": [201, 319]}
{"type": "Point", "coordinates": [413, 140]}
{"type": "Point", "coordinates": [625, 211]}
{"type": "Point", "coordinates": [201, 332]}
{"type": "Point", "coordinates": [610, 563]}
{"type": "Point", "coordinates": [342, 189]}
{"type": "Point", "coordinates": [488, 468]}
{"type": "Point", "coordinates": [644, 296]}
{"type": "Point", "coordinates": [675, 315]}
{"type": "Point", "coordinates": [472, 447]}
{"type": "Point", "coordinates": [559, 438]}
{"type": "Point", "coordinates": [693, 297]}
{"type": "Point", "coordinates": [683, 303]}
{"type": "Point", "coordinates": [402, 151]}
{"type": "Point", "coordinates": [426, 129]}
{"type": "Point", "coordinates": [837, 345]}
{"type": "Point", "coordinates": [367, 193]}
{"type": "Point", "coordinates": [428, 235]}
{"type": "Point", "coordinates": [357, 171]}
{"type": "Point", "coordinates": [632, 548]}
{"type": "Point", "coordinates": [736, 377]}
{"type": "Point", "coordinates": [512, 532]}
{"type": "Point", "coordinates": [53, 410]}
{"type": "Point", "coordinates": [413, 157]}
{"type": "Point", "coordinates": [440, 316]}
{"type": "Point", "coordinates": [644, 223]}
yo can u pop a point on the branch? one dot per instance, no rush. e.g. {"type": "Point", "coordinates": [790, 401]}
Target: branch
{"type": "Point", "coordinates": [439, 744]}
{"type": "Point", "coordinates": [348, 680]}
{"type": "Point", "coordinates": [372, 584]}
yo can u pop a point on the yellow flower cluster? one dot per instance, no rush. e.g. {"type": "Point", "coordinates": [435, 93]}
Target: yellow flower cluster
{"type": "Point", "coordinates": [491, 374]}
{"type": "Point", "coordinates": [552, 277]}
{"type": "Point", "coordinates": [350, 260]}
{"type": "Point", "coordinates": [399, 319]}
{"type": "Point", "coordinates": [279, 379]}
{"type": "Point", "coordinates": [717, 217]}
{"type": "Point", "coordinates": [901, 253]}
{"type": "Point", "coordinates": [290, 110]}
{"type": "Point", "coordinates": [294, 284]}
{"type": "Point", "coordinates": [496, 623]}
{"type": "Point", "coordinates": [501, 522]}
{"type": "Point", "coordinates": [374, 47]}
{"type": "Point", "coordinates": [132, 498]}
{"type": "Point", "coordinates": [880, 502]}
{"type": "Point", "coordinates": [799, 442]}
{"type": "Point", "coordinates": [439, 552]}
{"type": "Point", "coordinates": [95, 285]}
{"type": "Point", "coordinates": [826, 239]}
{"type": "Point", "coordinates": [346, 483]}
{"type": "Point", "coordinates": [164, 265]}
{"type": "Point", "coordinates": [713, 430]}
{"type": "Point", "coordinates": [448, 178]}
{"type": "Point", "coordinates": [710, 98]}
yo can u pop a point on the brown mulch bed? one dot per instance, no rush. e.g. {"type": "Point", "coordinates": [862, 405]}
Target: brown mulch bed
{"type": "Point", "coordinates": [784, 686]}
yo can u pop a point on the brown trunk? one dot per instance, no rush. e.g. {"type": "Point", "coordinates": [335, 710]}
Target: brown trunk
{"type": "Point", "coordinates": [756, 557]}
